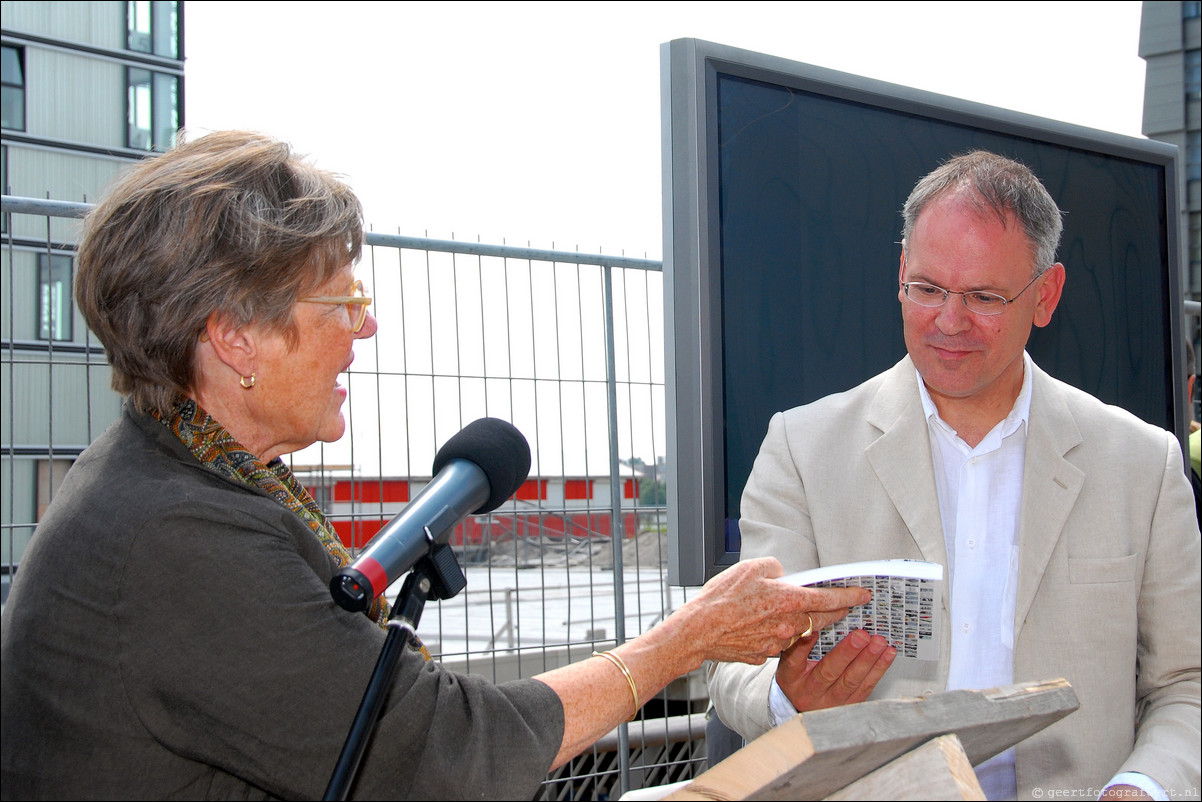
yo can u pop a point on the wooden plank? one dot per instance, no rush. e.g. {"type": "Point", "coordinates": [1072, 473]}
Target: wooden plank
{"type": "Point", "coordinates": [937, 770]}
{"type": "Point", "coordinates": [815, 754]}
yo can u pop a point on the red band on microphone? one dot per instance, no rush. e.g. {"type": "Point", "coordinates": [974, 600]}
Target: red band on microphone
{"type": "Point", "coordinates": [375, 574]}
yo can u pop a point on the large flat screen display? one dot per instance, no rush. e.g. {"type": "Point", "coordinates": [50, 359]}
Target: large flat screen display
{"type": "Point", "coordinates": [783, 187]}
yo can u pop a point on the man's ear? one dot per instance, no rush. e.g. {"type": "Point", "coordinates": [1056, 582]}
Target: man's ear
{"type": "Point", "coordinates": [1051, 286]}
{"type": "Point", "coordinates": [234, 344]}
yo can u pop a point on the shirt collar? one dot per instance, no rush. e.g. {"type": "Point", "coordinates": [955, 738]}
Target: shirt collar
{"type": "Point", "coordinates": [1020, 413]}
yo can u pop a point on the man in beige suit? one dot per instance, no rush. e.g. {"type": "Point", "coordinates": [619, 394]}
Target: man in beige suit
{"type": "Point", "coordinates": [1066, 526]}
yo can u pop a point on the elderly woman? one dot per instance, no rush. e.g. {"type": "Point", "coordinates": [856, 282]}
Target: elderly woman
{"type": "Point", "coordinates": [171, 633]}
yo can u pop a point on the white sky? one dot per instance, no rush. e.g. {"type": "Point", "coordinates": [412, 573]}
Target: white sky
{"type": "Point", "coordinates": [539, 123]}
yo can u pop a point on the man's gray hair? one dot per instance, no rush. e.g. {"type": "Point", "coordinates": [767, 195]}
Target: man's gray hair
{"type": "Point", "coordinates": [1000, 186]}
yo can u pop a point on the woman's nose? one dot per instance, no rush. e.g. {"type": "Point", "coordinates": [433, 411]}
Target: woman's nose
{"type": "Point", "coordinates": [369, 327]}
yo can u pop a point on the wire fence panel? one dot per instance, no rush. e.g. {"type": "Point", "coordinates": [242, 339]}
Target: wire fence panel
{"type": "Point", "coordinates": [568, 347]}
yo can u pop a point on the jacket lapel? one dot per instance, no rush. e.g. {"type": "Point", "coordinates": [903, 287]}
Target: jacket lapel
{"type": "Point", "coordinates": [1051, 485]}
{"type": "Point", "coordinates": [901, 458]}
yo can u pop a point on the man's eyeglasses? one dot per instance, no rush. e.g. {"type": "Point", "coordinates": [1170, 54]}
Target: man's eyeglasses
{"type": "Point", "coordinates": [978, 302]}
{"type": "Point", "coordinates": [356, 304]}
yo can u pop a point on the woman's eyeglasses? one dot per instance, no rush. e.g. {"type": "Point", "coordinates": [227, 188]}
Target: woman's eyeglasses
{"type": "Point", "coordinates": [356, 304]}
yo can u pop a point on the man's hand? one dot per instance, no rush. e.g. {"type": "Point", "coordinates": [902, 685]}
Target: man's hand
{"type": "Point", "coordinates": [846, 675]}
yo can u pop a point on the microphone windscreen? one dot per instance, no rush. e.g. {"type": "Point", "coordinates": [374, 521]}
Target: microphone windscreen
{"type": "Point", "coordinates": [498, 449]}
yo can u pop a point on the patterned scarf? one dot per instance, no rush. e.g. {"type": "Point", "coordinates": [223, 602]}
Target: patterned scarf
{"type": "Point", "coordinates": [217, 449]}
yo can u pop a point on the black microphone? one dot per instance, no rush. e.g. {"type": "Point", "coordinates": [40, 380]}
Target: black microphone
{"type": "Point", "coordinates": [474, 473]}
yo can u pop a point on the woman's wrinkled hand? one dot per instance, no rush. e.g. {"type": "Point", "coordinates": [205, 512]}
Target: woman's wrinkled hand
{"type": "Point", "coordinates": [751, 615]}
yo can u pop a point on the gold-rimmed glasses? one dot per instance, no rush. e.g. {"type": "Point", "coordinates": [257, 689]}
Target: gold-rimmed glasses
{"type": "Point", "coordinates": [356, 304]}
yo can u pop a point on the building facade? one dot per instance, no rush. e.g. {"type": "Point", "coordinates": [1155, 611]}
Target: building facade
{"type": "Point", "coordinates": [87, 89]}
{"type": "Point", "coordinates": [1170, 41]}
{"type": "Point", "coordinates": [551, 510]}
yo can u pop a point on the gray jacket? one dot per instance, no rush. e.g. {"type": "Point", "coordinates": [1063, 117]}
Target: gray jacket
{"type": "Point", "coordinates": [170, 634]}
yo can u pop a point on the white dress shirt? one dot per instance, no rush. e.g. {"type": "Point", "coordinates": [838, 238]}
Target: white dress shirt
{"type": "Point", "coordinates": [980, 497]}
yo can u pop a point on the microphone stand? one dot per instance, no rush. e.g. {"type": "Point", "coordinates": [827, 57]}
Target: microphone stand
{"type": "Point", "coordinates": [438, 576]}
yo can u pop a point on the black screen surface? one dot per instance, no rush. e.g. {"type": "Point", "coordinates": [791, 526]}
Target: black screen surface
{"type": "Point", "coordinates": [810, 193]}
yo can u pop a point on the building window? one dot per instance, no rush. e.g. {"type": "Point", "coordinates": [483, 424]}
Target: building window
{"type": "Point", "coordinates": [1195, 252]}
{"type": "Point", "coordinates": [1193, 74]}
{"type": "Point", "coordinates": [153, 27]}
{"type": "Point", "coordinates": [1191, 9]}
{"type": "Point", "coordinates": [55, 314]}
{"type": "Point", "coordinates": [12, 88]}
{"type": "Point", "coordinates": [50, 478]}
{"type": "Point", "coordinates": [153, 109]}
{"type": "Point", "coordinates": [577, 489]}
{"type": "Point", "coordinates": [1193, 156]}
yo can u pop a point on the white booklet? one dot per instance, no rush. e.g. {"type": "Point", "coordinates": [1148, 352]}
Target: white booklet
{"type": "Point", "coordinates": [903, 607]}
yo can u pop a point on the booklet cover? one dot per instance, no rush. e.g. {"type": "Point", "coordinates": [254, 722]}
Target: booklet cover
{"type": "Point", "coordinates": [903, 606]}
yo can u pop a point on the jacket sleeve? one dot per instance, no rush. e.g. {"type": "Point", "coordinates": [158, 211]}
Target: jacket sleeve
{"type": "Point", "coordinates": [774, 521]}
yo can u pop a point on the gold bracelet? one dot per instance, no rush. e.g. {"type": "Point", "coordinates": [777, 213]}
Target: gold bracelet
{"type": "Point", "coordinates": [621, 664]}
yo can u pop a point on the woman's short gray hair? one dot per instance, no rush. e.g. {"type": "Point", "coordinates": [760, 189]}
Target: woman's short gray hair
{"type": "Point", "coordinates": [1000, 186]}
{"type": "Point", "coordinates": [233, 222]}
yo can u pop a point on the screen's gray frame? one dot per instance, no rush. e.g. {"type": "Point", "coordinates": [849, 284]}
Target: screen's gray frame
{"type": "Point", "coordinates": [692, 324]}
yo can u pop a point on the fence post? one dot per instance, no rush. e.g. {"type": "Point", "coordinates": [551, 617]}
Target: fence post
{"type": "Point", "coordinates": [616, 528]}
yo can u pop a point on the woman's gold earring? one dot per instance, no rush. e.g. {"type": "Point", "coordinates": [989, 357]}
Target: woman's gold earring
{"type": "Point", "coordinates": [247, 382]}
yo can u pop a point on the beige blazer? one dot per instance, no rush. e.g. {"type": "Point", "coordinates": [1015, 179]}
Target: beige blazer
{"type": "Point", "coordinates": [1108, 588]}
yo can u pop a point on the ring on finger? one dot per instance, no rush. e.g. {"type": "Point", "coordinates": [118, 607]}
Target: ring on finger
{"type": "Point", "coordinates": [806, 634]}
